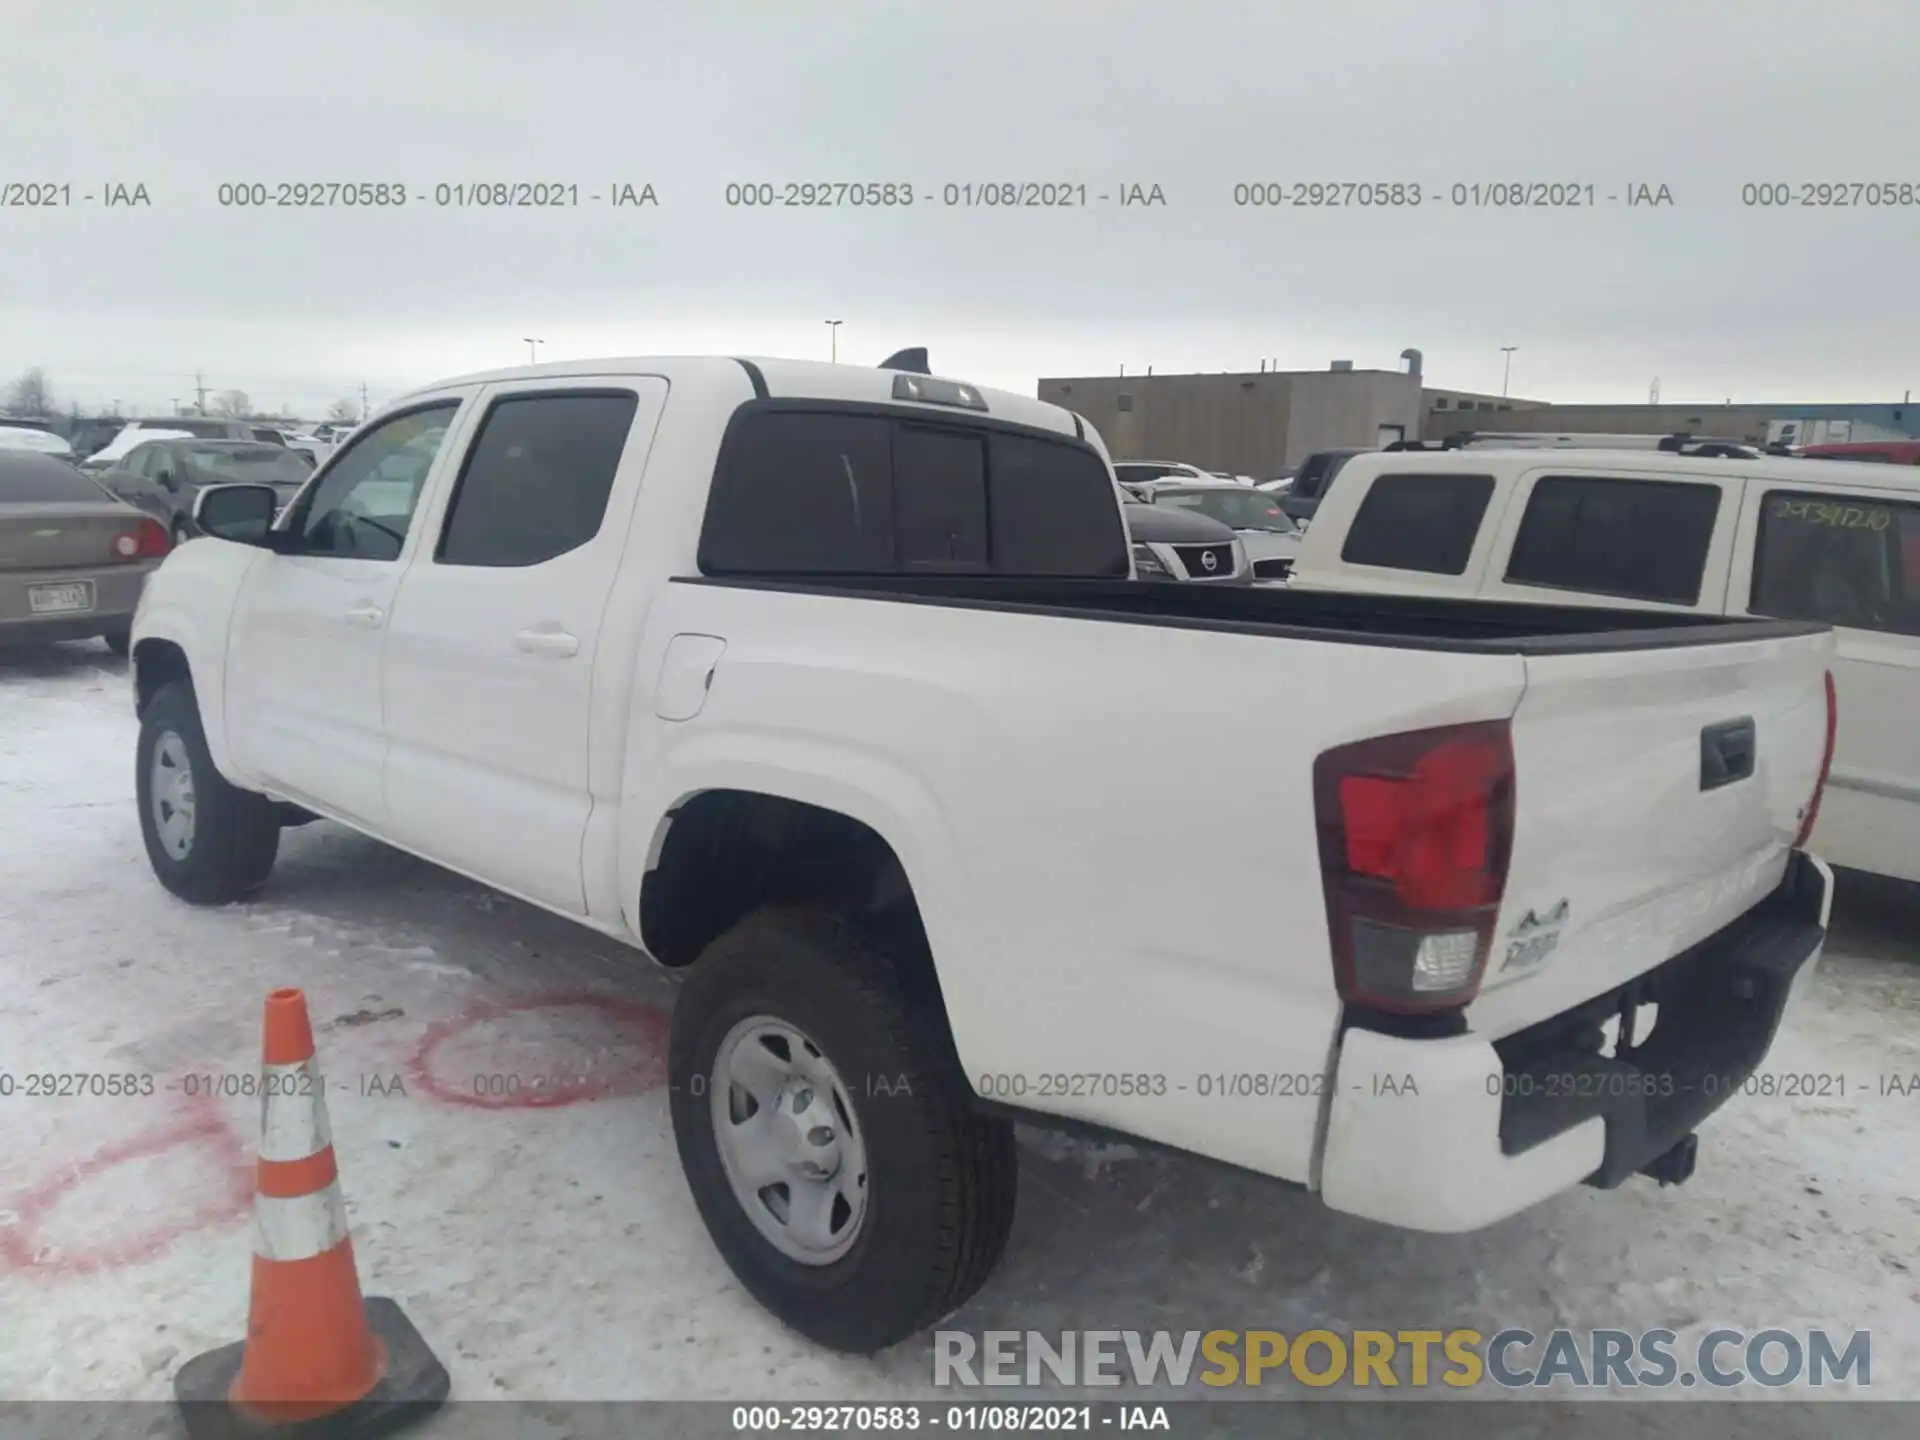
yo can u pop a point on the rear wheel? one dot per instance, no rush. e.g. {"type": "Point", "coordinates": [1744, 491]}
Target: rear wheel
{"type": "Point", "coordinates": [828, 1137]}
{"type": "Point", "coordinates": [209, 842]}
{"type": "Point", "coordinates": [182, 532]}
{"type": "Point", "coordinates": [118, 639]}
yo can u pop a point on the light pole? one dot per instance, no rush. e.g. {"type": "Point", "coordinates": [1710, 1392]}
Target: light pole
{"type": "Point", "coordinates": [1507, 372]}
{"type": "Point", "coordinates": [533, 349]}
{"type": "Point", "coordinates": [833, 350]}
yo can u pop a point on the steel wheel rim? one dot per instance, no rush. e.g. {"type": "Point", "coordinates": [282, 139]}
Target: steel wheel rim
{"type": "Point", "coordinates": [170, 794]}
{"type": "Point", "coordinates": [789, 1140]}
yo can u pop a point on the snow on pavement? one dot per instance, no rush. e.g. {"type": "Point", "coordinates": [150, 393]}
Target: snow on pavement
{"type": "Point", "coordinates": [537, 1229]}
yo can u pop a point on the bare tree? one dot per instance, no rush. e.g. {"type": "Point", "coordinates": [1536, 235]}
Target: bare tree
{"type": "Point", "coordinates": [233, 404]}
{"type": "Point", "coordinates": [32, 394]}
{"type": "Point", "coordinates": [342, 410]}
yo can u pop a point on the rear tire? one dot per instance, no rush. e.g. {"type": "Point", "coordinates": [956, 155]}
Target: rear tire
{"type": "Point", "coordinates": [181, 533]}
{"type": "Point", "coordinates": [941, 1179]}
{"type": "Point", "coordinates": [209, 842]}
{"type": "Point", "coordinates": [119, 640]}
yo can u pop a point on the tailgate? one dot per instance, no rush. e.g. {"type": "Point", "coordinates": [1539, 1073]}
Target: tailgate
{"type": "Point", "coordinates": [1658, 794]}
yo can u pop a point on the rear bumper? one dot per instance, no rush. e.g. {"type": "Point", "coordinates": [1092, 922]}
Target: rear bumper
{"type": "Point", "coordinates": [116, 592]}
{"type": "Point", "coordinates": [1452, 1134]}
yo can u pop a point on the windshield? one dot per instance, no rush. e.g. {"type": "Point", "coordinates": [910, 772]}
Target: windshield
{"type": "Point", "coordinates": [243, 464]}
{"type": "Point", "coordinates": [1241, 509]}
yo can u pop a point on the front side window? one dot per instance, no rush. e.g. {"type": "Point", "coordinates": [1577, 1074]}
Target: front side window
{"type": "Point", "coordinates": [1848, 560]}
{"type": "Point", "coordinates": [537, 478]}
{"type": "Point", "coordinates": [362, 507]}
{"type": "Point", "coordinates": [1635, 539]}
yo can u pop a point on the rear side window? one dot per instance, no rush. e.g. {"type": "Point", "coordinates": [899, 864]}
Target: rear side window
{"type": "Point", "coordinates": [1418, 522]}
{"type": "Point", "coordinates": [535, 483]}
{"type": "Point", "coordinates": [813, 492]}
{"type": "Point", "coordinates": [1052, 511]}
{"type": "Point", "coordinates": [1839, 559]}
{"type": "Point", "coordinates": [1637, 539]}
{"type": "Point", "coordinates": [802, 493]}
{"type": "Point", "coordinates": [939, 499]}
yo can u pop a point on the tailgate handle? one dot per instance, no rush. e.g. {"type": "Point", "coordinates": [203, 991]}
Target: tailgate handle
{"type": "Point", "coordinates": [1726, 753]}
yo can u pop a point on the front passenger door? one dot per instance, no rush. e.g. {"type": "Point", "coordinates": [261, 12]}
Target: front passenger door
{"type": "Point", "coordinates": [303, 661]}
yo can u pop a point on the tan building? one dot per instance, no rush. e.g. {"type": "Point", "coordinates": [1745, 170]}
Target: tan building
{"type": "Point", "coordinates": [1257, 423]}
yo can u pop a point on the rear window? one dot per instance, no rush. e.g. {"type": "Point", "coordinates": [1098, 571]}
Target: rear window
{"type": "Point", "coordinates": [819, 492]}
{"type": "Point", "coordinates": [1635, 539]}
{"type": "Point", "coordinates": [1849, 560]}
{"type": "Point", "coordinates": [802, 493]}
{"type": "Point", "coordinates": [202, 429]}
{"type": "Point", "coordinates": [29, 478]}
{"type": "Point", "coordinates": [1418, 522]}
{"type": "Point", "coordinates": [255, 464]}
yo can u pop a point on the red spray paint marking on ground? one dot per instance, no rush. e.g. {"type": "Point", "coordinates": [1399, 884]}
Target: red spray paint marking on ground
{"type": "Point", "coordinates": [202, 1127]}
{"type": "Point", "coordinates": [542, 1071]}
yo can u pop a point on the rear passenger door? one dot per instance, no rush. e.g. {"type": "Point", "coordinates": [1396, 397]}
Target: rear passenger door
{"type": "Point", "coordinates": [1850, 559]}
{"type": "Point", "coordinates": [1632, 541]}
{"type": "Point", "coordinates": [495, 633]}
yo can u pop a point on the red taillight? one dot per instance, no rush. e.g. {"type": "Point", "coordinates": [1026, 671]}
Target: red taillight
{"type": "Point", "coordinates": [147, 542]}
{"type": "Point", "coordinates": [1415, 834]}
{"type": "Point", "coordinates": [1826, 768]}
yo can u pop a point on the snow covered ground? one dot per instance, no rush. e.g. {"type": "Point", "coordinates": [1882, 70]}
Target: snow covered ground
{"type": "Point", "coordinates": [551, 1251]}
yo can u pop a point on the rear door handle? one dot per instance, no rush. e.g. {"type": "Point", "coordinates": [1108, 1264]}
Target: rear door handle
{"type": "Point", "coordinates": [367, 615]}
{"type": "Point", "coordinates": [547, 642]}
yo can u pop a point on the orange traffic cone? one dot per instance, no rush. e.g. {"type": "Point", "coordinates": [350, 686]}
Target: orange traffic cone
{"type": "Point", "coordinates": [319, 1357]}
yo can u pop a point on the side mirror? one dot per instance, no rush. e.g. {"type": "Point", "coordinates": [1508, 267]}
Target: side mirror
{"type": "Point", "coordinates": [240, 513]}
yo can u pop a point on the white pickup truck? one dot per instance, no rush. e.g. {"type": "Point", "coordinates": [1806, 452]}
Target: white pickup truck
{"type": "Point", "coordinates": [804, 676]}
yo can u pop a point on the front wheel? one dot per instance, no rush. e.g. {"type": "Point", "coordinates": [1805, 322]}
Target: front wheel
{"type": "Point", "coordinates": [209, 842]}
{"type": "Point", "coordinates": [827, 1138]}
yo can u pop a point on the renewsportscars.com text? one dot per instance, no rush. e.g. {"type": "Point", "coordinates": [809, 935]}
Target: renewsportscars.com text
{"type": "Point", "coordinates": [1511, 1359]}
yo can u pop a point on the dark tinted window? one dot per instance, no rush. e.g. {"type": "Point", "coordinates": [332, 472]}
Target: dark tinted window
{"type": "Point", "coordinates": [30, 478]}
{"type": "Point", "coordinates": [939, 499]}
{"type": "Point", "coordinates": [1840, 559]}
{"type": "Point", "coordinates": [1052, 511]}
{"type": "Point", "coordinates": [802, 494]}
{"type": "Point", "coordinates": [536, 480]}
{"type": "Point", "coordinates": [1418, 522]}
{"type": "Point", "coordinates": [1313, 472]}
{"type": "Point", "coordinates": [1638, 539]}
{"type": "Point", "coordinates": [819, 493]}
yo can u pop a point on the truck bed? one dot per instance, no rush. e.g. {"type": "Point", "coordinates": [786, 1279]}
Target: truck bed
{"type": "Point", "coordinates": [1399, 622]}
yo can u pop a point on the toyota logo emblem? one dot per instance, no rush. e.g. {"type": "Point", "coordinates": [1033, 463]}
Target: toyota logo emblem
{"type": "Point", "coordinates": [1208, 561]}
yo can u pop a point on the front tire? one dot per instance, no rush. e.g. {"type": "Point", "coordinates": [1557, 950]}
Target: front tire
{"type": "Point", "coordinates": [808, 1008]}
{"type": "Point", "coordinates": [209, 842]}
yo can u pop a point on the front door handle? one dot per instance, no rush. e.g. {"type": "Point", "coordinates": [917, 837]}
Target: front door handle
{"type": "Point", "coordinates": [367, 615]}
{"type": "Point", "coordinates": [547, 642]}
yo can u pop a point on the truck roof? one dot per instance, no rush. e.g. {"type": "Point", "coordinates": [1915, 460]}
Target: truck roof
{"type": "Point", "coordinates": [781, 380]}
{"type": "Point", "coordinates": [1653, 464]}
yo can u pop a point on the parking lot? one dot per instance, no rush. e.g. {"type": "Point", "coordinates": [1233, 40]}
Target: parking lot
{"type": "Point", "coordinates": [543, 1238]}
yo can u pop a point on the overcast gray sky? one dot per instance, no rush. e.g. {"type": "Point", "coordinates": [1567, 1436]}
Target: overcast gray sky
{"type": "Point", "coordinates": [299, 306]}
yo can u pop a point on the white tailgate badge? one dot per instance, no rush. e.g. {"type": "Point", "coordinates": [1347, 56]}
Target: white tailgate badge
{"type": "Point", "coordinates": [686, 674]}
{"type": "Point", "coordinates": [1531, 941]}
